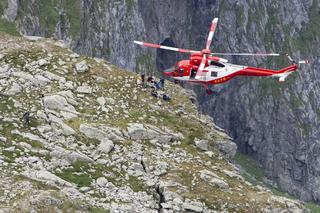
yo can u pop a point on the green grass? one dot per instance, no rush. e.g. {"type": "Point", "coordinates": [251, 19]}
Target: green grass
{"type": "Point", "coordinates": [73, 11]}
{"type": "Point", "coordinates": [98, 210]}
{"type": "Point", "coordinates": [48, 15]}
{"type": "Point", "coordinates": [254, 173]}
{"type": "Point", "coordinates": [313, 207]}
{"type": "Point", "coordinates": [8, 27]}
{"type": "Point", "coordinates": [136, 184]}
{"type": "Point", "coordinates": [70, 176]}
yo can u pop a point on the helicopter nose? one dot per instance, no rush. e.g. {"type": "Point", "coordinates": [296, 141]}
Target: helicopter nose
{"type": "Point", "coordinates": [169, 72]}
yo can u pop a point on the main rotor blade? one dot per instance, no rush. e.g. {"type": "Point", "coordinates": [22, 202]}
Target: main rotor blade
{"type": "Point", "coordinates": [248, 54]}
{"type": "Point", "coordinates": [158, 46]}
{"type": "Point", "coordinates": [201, 67]}
{"type": "Point", "coordinates": [211, 33]}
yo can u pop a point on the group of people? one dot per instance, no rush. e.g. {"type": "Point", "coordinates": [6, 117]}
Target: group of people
{"type": "Point", "coordinates": [156, 87]}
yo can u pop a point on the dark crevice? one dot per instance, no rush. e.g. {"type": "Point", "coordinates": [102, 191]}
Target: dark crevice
{"type": "Point", "coordinates": [143, 166]}
{"type": "Point", "coordinates": [161, 198]}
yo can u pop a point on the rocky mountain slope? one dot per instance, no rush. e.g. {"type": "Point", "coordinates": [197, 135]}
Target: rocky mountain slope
{"type": "Point", "coordinates": [278, 124]}
{"type": "Point", "coordinates": [97, 141]}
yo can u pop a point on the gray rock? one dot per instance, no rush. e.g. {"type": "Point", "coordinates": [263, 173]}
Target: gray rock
{"type": "Point", "coordinates": [102, 133]}
{"type": "Point", "coordinates": [71, 156]}
{"type": "Point", "coordinates": [85, 89]}
{"type": "Point", "coordinates": [102, 181]}
{"type": "Point", "coordinates": [14, 89]}
{"type": "Point", "coordinates": [11, 11]}
{"type": "Point", "coordinates": [227, 147]}
{"type": "Point", "coordinates": [201, 144]}
{"type": "Point", "coordinates": [45, 176]}
{"type": "Point", "coordinates": [3, 139]}
{"type": "Point", "coordinates": [60, 103]}
{"type": "Point", "coordinates": [213, 179]}
{"type": "Point", "coordinates": [190, 207]}
{"type": "Point", "coordinates": [42, 62]}
{"type": "Point", "coordinates": [105, 146]}
{"type": "Point", "coordinates": [102, 101]}
{"type": "Point", "coordinates": [138, 131]}
{"type": "Point", "coordinates": [33, 38]}
{"type": "Point", "coordinates": [232, 174]}
{"type": "Point", "coordinates": [82, 67]}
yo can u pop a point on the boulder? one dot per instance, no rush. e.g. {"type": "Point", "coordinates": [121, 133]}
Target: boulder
{"type": "Point", "coordinates": [201, 144]}
{"type": "Point", "coordinates": [213, 179]}
{"type": "Point", "coordinates": [85, 89]}
{"type": "Point", "coordinates": [60, 103]}
{"type": "Point", "coordinates": [42, 62]}
{"type": "Point", "coordinates": [101, 101]}
{"type": "Point", "coordinates": [227, 148]}
{"type": "Point", "coordinates": [70, 156]}
{"type": "Point", "coordinates": [102, 181]}
{"type": "Point", "coordinates": [104, 132]}
{"type": "Point", "coordinates": [191, 207]}
{"type": "Point", "coordinates": [138, 131]}
{"type": "Point", "coordinates": [46, 177]}
{"type": "Point", "coordinates": [82, 67]}
{"type": "Point", "coordinates": [13, 90]}
{"type": "Point", "coordinates": [105, 146]}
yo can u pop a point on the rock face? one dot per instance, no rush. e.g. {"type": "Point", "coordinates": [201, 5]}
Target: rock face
{"type": "Point", "coordinates": [129, 152]}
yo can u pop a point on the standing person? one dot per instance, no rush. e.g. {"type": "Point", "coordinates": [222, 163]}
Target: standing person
{"type": "Point", "coordinates": [26, 118]}
{"type": "Point", "coordinates": [161, 83]}
{"type": "Point", "coordinates": [143, 79]}
{"type": "Point", "coordinates": [150, 81]}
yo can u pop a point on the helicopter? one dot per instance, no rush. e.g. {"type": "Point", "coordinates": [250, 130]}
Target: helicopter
{"type": "Point", "coordinates": [207, 68]}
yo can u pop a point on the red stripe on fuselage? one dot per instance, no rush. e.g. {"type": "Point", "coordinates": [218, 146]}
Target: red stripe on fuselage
{"type": "Point", "coordinates": [213, 27]}
{"type": "Point", "coordinates": [151, 45]}
{"type": "Point", "coordinates": [184, 50]}
{"type": "Point", "coordinates": [253, 71]}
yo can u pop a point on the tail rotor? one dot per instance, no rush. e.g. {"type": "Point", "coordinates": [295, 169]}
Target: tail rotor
{"type": "Point", "coordinates": [297, 62]}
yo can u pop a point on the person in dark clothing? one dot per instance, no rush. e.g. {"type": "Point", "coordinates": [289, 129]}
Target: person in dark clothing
{"type": "Point", "coordinates": [143, 79]}
{"type": "Point", "coordinates": [161, 82]}
{"type": "Point", "coordinates": [156, 85]}
{"type": "Point", "coordinates": [165, 97]}
{"type": "Point", "coordinates": [26, 118]}
{"type": "Point", "coordinates": [154, 93]}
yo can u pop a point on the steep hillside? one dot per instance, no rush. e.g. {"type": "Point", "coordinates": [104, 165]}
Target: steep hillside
{"type": "Point", "coordinates": [277, 124]}
{"type": "Point", "coordinates": [97, 141]}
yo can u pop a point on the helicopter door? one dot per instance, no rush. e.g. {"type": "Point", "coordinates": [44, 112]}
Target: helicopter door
{"type": "Point", "coordinates": [193, 73]}
{"type": "Point", "coordinates": [181, 72]}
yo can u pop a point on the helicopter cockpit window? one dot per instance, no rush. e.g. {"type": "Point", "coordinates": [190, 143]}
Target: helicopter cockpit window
{"type": "Point", "coordinates": [217, 64]}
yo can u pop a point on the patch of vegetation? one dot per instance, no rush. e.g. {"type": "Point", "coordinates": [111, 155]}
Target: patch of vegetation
{"type": "Point", "coordinates": [73, 11]}
{"type": "Point", "coordinates": [98, 210]}
{"type": "Point", "coordinates": [71, 175]}
{"type": "Point", "coordinates": [8, 27]}
{"type": "Point", "coordinates": [313, 207]}
{"type": "Point", "coordinates": [130, 5]}
{"type": "Point", "coordinates": [136, 184]}
{"type": "Point", "coordinates": [48, 15]}
{"type": "Point", "coordinates": [253, 172]}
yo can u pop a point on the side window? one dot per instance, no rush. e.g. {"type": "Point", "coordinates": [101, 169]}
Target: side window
{"type": "Point", "coordinates": [217, 64]}
{"type": "Point", "coordinates": [214, 74]}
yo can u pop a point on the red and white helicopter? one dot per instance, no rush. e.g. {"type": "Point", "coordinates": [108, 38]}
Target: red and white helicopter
{"type": "Point", "coordinates": [205, 68]}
